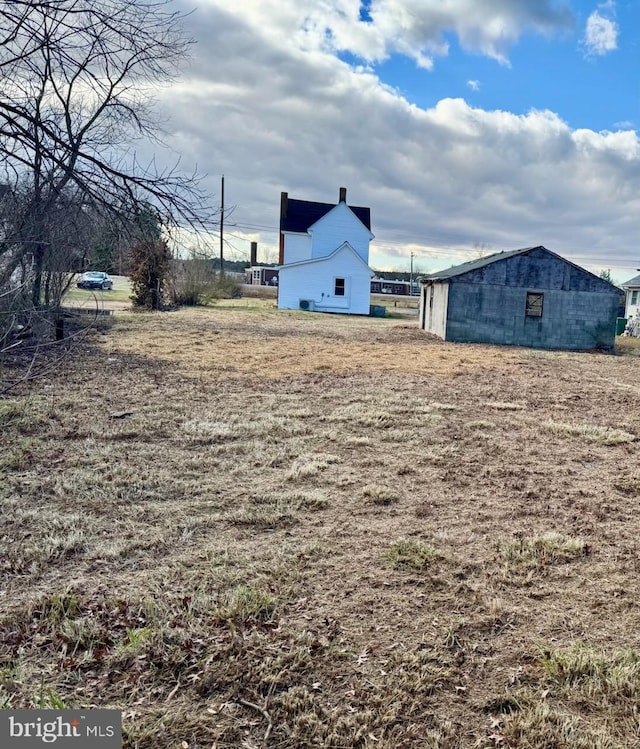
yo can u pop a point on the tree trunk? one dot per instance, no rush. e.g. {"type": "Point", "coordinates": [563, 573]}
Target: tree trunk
{"type": "Point", "coordinates": [47, 291]}
{"type": "Point", "coordinates": [36, 289]}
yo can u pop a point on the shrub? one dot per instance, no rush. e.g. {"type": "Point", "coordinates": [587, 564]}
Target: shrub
{"type": "Point", "coordinates": [150, 262]}
{"type": "Point", "coordinates": [195, 283]}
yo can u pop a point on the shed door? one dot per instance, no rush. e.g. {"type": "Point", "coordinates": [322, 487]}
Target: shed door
{"type": "Point", "coordinates": [430, 306]}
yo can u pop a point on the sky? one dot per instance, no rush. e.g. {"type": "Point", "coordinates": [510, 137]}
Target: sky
{"type": "Point", "coordinates": [467, 126]}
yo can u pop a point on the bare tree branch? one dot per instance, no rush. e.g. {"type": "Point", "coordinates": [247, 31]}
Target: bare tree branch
{"type": "Point", "coordinates": [75, 76]}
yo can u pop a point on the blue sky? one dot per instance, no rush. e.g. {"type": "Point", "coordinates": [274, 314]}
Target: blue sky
{"type": "Point", "coordinates": [467, 126]}
{"type": "Point", "coordinates": [585, 88]}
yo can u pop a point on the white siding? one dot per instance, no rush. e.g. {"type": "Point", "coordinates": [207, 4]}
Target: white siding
{"type": "Point", "coordinates": [434, 300]}
{"type": "Point", "coordinates": [297, 247]}
{"type": "Point", "coordinates": [316, 281]}
{"type": "Point", "coordinates": [336, 226]}
{"type": "Point", "coordinates": [632, 303]}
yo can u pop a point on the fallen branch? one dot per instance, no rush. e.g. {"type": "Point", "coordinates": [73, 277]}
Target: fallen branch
{"type": "Point", "coordinates": [173, 691]}
{"type": "Point", "coordinates": [266, 715]}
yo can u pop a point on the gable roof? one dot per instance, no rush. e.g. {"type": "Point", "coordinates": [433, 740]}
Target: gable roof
{"type": "Point", "coordinates": [324, 258]}
{"type": "Point", "coordinates": [341, 207]}
{"type": "Point", "coordinates": [460, 270]}
{"type": "Point", "coordinates": [301, 214]}
{"type": "Point", "coordinates": [632, 283]}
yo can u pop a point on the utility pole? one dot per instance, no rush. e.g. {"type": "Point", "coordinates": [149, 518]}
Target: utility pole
{"type": "Point", "coordinates": [411, 276]}
{"type": "Point", "coordinates": [222, 227]}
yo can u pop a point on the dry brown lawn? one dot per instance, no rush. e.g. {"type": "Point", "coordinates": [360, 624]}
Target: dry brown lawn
{"type": "Point", "coordinates": [251, 528]}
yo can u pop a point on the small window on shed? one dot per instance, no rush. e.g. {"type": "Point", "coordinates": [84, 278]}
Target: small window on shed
{"type": "Point", "coordinates": [534, 304]}
{"type": "Point", "coordinates": [339, 287]}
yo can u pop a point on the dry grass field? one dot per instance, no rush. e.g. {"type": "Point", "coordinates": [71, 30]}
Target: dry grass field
{"type": "Point", "coordinates": [251, 528]}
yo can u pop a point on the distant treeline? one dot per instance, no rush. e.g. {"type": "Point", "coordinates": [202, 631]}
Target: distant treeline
{"type": "Point", "coordinates": [233, 266]}
{"type": "Point", "coordinates": [393, 275]}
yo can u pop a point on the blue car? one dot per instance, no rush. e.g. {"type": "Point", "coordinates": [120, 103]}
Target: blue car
{"type": "Point", "coordinates": [95, 280]}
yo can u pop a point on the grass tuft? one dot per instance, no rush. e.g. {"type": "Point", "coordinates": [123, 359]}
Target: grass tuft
{"type": "Point", "coordinates": [443, 407]}
{"type": "Point", "coordinates": [505, 406]}
{"type": "Point", "coordinates": [407, 554]}
{"type": "Point", "coordinates": [18, 417]}
{"type": "Point", "coordinates": [270, 510]}
{"type": "Point", "coordinates": [307, 466]}
{"type": "Point", "coordinates": [380, 495]}
{"type": "Point", "coordinates": [246, 605]}
{"type": "Point", "coordinates": [629, 484]}
{"type": "Point", "coordinates": [581, 697]}
{"type": "Point", "coordinates": [480, 425]}
{"type": "Point", "coordinates": [536, 552]}
{"type": "Point", "coordinates": [538, 724]}
{"type": "Point", "coordinates": [608, 676]}
{"type": "Point", "coordinates": [11, 412]}
{"type": "Point", "coordinates": [591, 433]}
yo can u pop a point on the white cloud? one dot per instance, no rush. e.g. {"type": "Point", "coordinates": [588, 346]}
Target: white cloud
{"type": "Point", "coordinates": [273, 113]}
{"type": "Point", "coordinates": [601, 34]}
{"type": "Point", "coordinates": [415, 28]}
{"type": "Point", "coordinates": [474, 85]}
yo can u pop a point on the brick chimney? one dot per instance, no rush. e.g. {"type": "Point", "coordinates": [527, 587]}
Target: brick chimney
{"type": "Point", "coordinates": [343, 194]}
{"type": "Point", "coordinates": [254, 253]}
{"type": "Point", "coordinates": [284, 209]}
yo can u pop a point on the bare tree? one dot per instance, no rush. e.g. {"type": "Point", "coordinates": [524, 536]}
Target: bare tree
{"type": "Point", "coordinates": [76, 79]}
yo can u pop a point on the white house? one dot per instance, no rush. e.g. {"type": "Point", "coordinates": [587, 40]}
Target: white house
{"type": "Point", "coordinates": [324, 256]}
{"type": "Point", "coordinates": [632, 297]}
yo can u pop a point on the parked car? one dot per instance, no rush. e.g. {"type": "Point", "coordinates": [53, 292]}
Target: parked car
{"type": "Point", "coordinates": [95, 280]}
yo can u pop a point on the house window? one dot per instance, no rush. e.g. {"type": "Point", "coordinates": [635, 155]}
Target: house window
{"type": "Point", "coordinates": [634, 297]}
{"type": "Point", "coordinates": [256, 275]}
{"type": "Point", "coordinates": [534, 304]}
{"type": "Point", "coordinates": [339, 287]}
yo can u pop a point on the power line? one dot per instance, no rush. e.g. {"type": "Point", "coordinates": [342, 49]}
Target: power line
{"type": "Point", "coordinates": [380, 243]}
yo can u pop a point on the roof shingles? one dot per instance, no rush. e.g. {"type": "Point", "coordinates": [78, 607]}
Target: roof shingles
{"type": "Point", "coordinates": [632, 283]}
{"type": "Point", "coordinates": [459, 270]}
{"type": "Point", "coordinates": [301, 214]}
